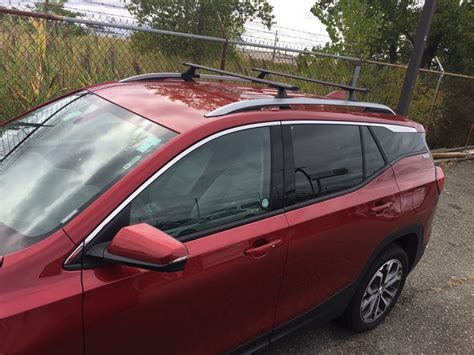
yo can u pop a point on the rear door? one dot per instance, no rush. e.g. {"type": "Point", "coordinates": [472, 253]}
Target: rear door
{"type": "Point", "coordinates": [223, 200]}
{"type": "Point", "coordinates": [342, 201]}
{"type": "Point", "coordinates": [414, 171]}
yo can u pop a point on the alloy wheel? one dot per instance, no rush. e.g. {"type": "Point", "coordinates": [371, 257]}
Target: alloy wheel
{"type": "Point", "coordinates": [381, 290]}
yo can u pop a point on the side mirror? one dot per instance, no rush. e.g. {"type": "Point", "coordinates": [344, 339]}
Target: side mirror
{"type": "Point", "coordinates": [145, 247]}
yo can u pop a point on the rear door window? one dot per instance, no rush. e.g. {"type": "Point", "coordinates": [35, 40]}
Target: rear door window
{"type": "Point", "coordinates": [328, 159]}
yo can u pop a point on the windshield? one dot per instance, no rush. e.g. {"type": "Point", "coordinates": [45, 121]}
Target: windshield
{"type": "Point", "coordinates": [57, 159]}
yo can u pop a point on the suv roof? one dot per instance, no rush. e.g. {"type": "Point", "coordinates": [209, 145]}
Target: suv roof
{"type": "Point", "coordinates": [183, 105]}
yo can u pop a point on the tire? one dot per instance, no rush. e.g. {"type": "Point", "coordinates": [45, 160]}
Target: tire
{"type": "Point", "coordinates": [386, 278]}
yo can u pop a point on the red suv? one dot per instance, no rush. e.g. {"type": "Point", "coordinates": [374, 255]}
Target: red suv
{"type": "Point", "coordinates": [180, 213]}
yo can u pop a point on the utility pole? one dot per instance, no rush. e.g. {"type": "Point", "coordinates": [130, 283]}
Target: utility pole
{"type": "Point", "coordinates": [225, 44]}
{"type": "Point", "coordinates": [416, 56]}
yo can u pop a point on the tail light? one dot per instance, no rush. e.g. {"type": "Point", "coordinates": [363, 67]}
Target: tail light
{"type": "Point", "coordinates": [439, 179]}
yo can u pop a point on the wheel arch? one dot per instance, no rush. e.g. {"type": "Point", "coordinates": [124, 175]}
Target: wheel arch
{"type": "Point", "coordinates": [409, 242]}
{"type": "Point", "coordinates": [409, 238]}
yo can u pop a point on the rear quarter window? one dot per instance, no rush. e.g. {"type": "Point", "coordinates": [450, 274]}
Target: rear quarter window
{"type": "Point", "coordinates": [399, 144]}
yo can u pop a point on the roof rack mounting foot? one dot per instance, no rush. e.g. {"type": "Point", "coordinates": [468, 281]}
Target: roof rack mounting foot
{"type": "Point", "coordinates": [189, 74]}
{"type": "Point", "coordinates": [281, 93]}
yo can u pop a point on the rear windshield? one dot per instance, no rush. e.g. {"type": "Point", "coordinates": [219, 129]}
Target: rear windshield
{"type": "Point", "coordinates": [57, 159]}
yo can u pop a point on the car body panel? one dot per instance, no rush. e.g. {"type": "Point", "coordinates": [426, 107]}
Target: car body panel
{"type": "Point", "coordinates": [40, 301]}
{"type": "Point", "coordinates": [223, 297]}
{"type": "Point", "coordinates": [415, 176]}
{"type": "Point", "coordinates": [326, 255]}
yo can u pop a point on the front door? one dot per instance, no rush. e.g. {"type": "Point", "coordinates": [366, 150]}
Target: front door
{"type": "Point", "coordinates": [223, 202]}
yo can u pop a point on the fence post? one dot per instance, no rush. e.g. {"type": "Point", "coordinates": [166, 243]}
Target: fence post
{"type": "Point", "coordinates": [435, 96]}
{"type": "Point", "coordinates": [224, 45]}
{"type": "Point", "coordinates": [274, 46]}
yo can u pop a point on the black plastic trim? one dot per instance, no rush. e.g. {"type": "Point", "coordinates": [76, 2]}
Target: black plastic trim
{"type": "Point", "coordinates": [321, 314]}
{"type": "Point", "coordinates": [259, 343]}
{"type": "Point", "coordinates": [277, 166]}
{"type": "Point", "coordinates": [289, 163]}
{"type": "Point", "coordinates": [362, 146]}
{"type": "Point", "coordinates": [378, 145]}
{"type": "Point", "coordinates": [101, 253]}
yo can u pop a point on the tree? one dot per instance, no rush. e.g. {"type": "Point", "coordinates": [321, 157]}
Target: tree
{"type": "Point", "coordinates": [385, 29]}
{"type": "Point", "coordinates": [203, 17]}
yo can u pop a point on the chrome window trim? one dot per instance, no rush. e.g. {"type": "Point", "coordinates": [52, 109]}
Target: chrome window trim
{"type": "Point", "coordinates": [155, 176]}
{"type": "Point", "coordinates": [391, 127]}
{"type": "Point", "coordinates": [150, 180]}
{"type": "Point", "coordinates": [259, 103]}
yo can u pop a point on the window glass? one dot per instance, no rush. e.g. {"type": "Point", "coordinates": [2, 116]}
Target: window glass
{"type": "Point", "coordinates": [225, 180]}
{"type": "Point", "coordinates": [328, 158]}
{"type": "Point", "coordinates": [55, 160]}
{"type": "Point", "coordinates": [398, 144]}
{"type": "Point", "coordinates": [373, 158]}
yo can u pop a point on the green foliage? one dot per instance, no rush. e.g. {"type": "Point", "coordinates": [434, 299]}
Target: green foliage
{"type": "Point", "coordinates": [372, 29]}
{"type": "Point", "coordinates": [217, 18]}
{"type": "Point", "coordinates": [452, 36]}
{"type": "Point", "coordinates": [384, 30]}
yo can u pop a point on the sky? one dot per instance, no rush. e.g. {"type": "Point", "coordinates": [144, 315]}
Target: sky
{"type": "Point", "coordinates": [296, 14]}
{"type": "Point", "coordinates": [297, 27]}
{"type": "Point", "coordinates": [295, 23]}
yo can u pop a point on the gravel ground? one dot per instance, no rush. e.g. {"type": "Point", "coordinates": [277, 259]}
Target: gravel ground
{"type": "Point", "coordinates": [435, 313]}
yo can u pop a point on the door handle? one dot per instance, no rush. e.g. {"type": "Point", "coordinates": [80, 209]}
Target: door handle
{"type": "Point", "coordinates": [263, 249]}
{"type": "Point", "coordinates": [381, 208]}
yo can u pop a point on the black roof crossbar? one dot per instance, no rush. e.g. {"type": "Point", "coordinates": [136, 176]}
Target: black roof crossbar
{"type": "Point", "coordinates": [350, 88]}
{"type": "Point", "coordinates": [281, 87]}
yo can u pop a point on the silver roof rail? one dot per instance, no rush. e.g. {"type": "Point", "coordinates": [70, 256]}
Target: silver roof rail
{"type": "Point", "coordinates": [162, 76]}
{"type": "Point", "coordinates": [255, 104]}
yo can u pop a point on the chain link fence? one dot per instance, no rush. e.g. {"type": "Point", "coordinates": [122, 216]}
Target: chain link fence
{"type": "Point", "coordinates": [43, 56]}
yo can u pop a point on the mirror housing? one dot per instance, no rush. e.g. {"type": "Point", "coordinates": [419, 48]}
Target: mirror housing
{"type": "Point", "coordinates": [145, 247]}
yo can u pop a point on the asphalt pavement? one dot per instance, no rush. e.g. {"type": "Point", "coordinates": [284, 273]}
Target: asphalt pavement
{"type": "Point", "coordinates": [435, 312]}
